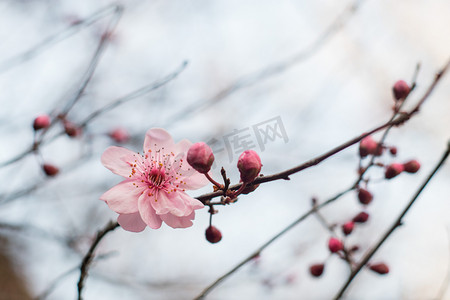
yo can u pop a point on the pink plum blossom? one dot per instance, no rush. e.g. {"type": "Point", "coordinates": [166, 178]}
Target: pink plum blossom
{"type": "Point", "coordinates": [155, 186]}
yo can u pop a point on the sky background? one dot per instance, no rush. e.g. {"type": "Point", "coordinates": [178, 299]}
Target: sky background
{"type": "Point", "coordinates": [321, 69]}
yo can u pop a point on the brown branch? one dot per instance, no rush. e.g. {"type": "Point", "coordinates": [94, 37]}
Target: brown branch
{"type": "Point", "coordinates": [285, 175]}
{"type": "Point", "coordinates": [90, 255]}
{"type": "Point", "coordinates": [394, 226]}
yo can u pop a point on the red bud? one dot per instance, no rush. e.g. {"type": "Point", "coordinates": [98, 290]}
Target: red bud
{"type": "Point", "coordinates": [364, 196]}
{"type": "Point", "coordinates": [411, 166]}
{"type": "Point", "coordinates": [200, 157]}
{"type": "Point", "coordinates": [213, 235]}
{"type": "Point", "coordinates": [380, 268]}
{"type": "Point", "coordinates": [316, 270]}
{"type": "Point", "coordinates": [335, 245]}
{"type": "Point", "coordinates": [362, 217]}
{"type": "Point", "coordinates": [119, 135]}
{"type": "Point", "coordinates": [401, 90]}
{"type": "Point", "coordinates": [42, 121]}
{"type": "Point", "coordinates": [50, 170]}
{"type": "Point", "coordinates": [393, 170]}
{"type": "Point", "coordinates": [347, 228]}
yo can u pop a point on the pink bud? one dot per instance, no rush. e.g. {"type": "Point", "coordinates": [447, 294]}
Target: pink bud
{"type": "Point", "coordinates": [249, 165]}
{"type": "Point", "coordinates": [119, 135]}
{"type": "Point", "coordinates": [213, 234]}
{"type": "Point", "coordinates": [367, 146]}
{"type": "Point", "coordinates": [316, 270]}
{"type": "Point", "coordinates": [393, 170]}
{"type": "Point", "coordinates": [364, 196]}
{"type": "Point", "coordinates": [380, 268]}
{"type": "Point", "coordinates": [50, 170]}
{"type": "Point", "coordinates": [401, 90]}
{"type": "Point", "coordinates": [393, 150]}
{"type": "Point", "coordinates": [411, 166]}
{"type": "Point", "coordinates": [42, 121]}
{"type": "Point", "coordinates": [335, 245]}
{"type": "Point", "coordinates": [200, 157]}
{"type": "Point", "coordinates": [362, 217]}
{"type": "Point", "coordinates": [347, 228]}
{"type": "Point", "coordinates": [71, 129]}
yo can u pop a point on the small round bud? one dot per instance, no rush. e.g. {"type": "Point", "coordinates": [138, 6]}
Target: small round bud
{"type": "Point", "coordinates": [401, 90]}
{"type": "Point", "coordinates": [393, 150]}
{"type": "Point", "coordinates": [347, 228]}
{"type": "Point", "coordinates": [249, 165]}
{"type": "Point", "coordinates": [367, 146]}
{"type": "Point", "coordinates": [41, 122]}
{"type": "Point", "coordinates": [364, 196]}
{"type": "Point", "coordinates": [411, 166]}
{"type": "Point", "coordinates": [379, 268]}
{"type": "Point", "coordinates": [119, 135]}
{"type": "Point", "coordinates": [50, 170]}
{"type": "Point", "coordinates": [71, 129]}
{"type": "Point", "coordinates": [335, 245]}
{"type": "Point", "coordinates": [213, 235]}
{"type": "Point", "coordinates": [200, 157]}
{"type": "Point", "coordinates": [362, 217]}
{"type": "Point", "coordinates": [393, 170]}
{"type": "Point", "coordinates": [316, 270]}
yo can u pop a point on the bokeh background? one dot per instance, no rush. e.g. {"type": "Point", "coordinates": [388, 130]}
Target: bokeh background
{"type": "Point", "coordinates": [324, 68]}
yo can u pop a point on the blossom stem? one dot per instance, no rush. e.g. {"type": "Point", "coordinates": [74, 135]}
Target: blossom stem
{"type": "Point", "coordinates": [213, 181]}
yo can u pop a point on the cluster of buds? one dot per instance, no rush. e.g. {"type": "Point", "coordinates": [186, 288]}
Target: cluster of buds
{"type": "Point", "coordinates": [395, 169]}
{"type": "Point", "coordinates": [200, 157]}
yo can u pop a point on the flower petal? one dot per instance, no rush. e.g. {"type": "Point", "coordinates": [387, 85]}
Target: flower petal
{"type": "Point", "coordinates": [192, 203]}
{"type": "Point", "coordinates": [178, 222]}
{"type": "Point", "coordinates": [158, 138]}
{"type": "Point", "coordinates": [194, 181]}
{"type": "Point", "coordinates": [123, 197]}
{"type": "Point", "coordinates": [119, 160]}
{"type": "Point", "coordinates": [170, 203]}
{"type": "Point", "coordinates": [131, 222]}
{"type": "Point", "coordinates": [183, 146]}
{"type": "Point", "coordinates": [148, 213]}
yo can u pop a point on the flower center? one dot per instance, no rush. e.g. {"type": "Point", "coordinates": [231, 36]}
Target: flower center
{"type": "Point", "coordinates": [157, 176]}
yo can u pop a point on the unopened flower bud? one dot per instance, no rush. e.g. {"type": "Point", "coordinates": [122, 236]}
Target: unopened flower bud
{"type": "Point", "coordinates": [249, 165]}
{"type": "Point", "coordinates": [401, 90]}
{"type": "Point", "coordinates": [411, 166]}
{"type": "Point", "coordinates": [42, 121]}
{"type": "Point", "coordinates": [50, 170]}
{"type": "Point", "coordinates": [393, 170]}
{"type": "Point", "coordinates": [380, 268]}
{"type": "Point", "coordinates": [316, 270]}
{"type": "Point", "coordinates": [335, 245]}
{"type": "Point", "coordinates": [213, 234]}
{"type": "Point", "coordinates": [119, 135]}
{"type": "Point", "coordinates": [362, 217]}
{"type": "Point", "coordinates": [367, 146]}
{"type": "Point", "coordinates": [364, 196]}
{"type": "Point", "coordinates": [393, 150]}
{"type": "Point", "coordinates": [200, 157]}
{"type": "Point", "coordinates": [347, 228]}
{"type": "Point", "coordinates": [71, 129]}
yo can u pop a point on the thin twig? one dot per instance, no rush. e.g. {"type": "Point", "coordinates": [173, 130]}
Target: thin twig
{"type": "Point", "coordinates": [90, 255]}
{"type": "Point", "coordinates": [68, 32]}
{"type": "Point", "coordinates": [272, 69]}
{"type": "Point", "coordinates": [394, 226]}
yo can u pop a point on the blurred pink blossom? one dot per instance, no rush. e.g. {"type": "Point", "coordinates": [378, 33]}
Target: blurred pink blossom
{"type": "Point", "coordinates": [155, 184]}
